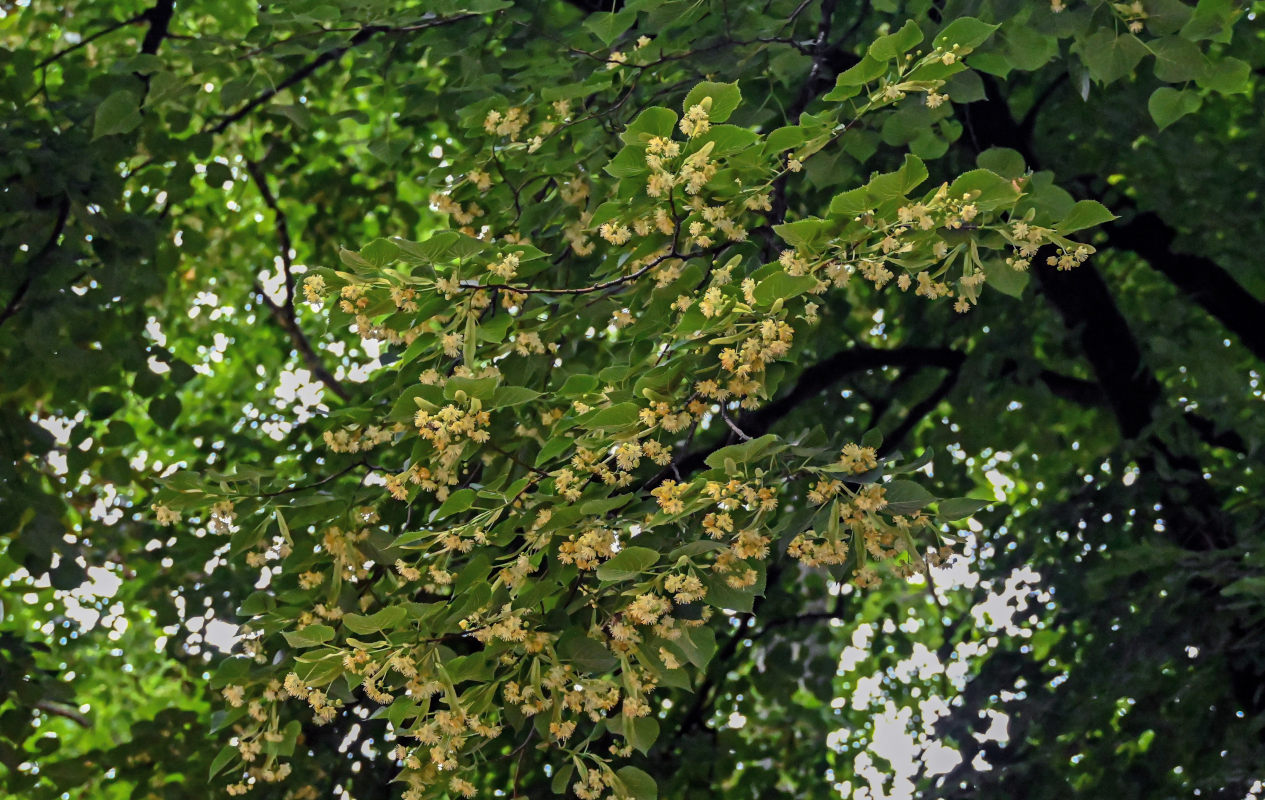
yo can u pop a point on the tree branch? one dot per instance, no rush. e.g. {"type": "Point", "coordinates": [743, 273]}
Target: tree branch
{"type": "Point", "coordinates": [799, 619]}
{"type": "Point", "coordinates": [159, 19]}
{"type": "Point", "coordinates": [921, 409]}
{"type": "Point", "coordinates": [364, 35]}
{"type": "Point", "coordinates": [87, 40]}
{"type": "Point", "coordinates": [1201, 278]}
{"type": "Point", "coordinates": [284, 312]}
{"type": "Point", "coordinates": [59, 226]}
{"type": "Point", "coordinates": [813, 381]}
{"type": "Point", "coordinates": [280, 223]}
{"type": "Point", "coordinates": [58, 710]}
{"type": "Point", "coordinates": [1133, 393]}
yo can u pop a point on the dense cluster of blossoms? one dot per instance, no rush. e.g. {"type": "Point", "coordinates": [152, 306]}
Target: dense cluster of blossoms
{"type": "Point", "coordinates": [553, 562]}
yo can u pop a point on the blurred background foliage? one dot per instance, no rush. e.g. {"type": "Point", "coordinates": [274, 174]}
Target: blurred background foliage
{"type": "Point", "coordinates": [1106, 637]}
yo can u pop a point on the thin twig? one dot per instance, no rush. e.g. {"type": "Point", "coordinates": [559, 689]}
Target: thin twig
{"type": "Point", "coordinates": [281, 224]}
{"type": "Point", "coordinates": [931, 586]}
{"type": "Point", "coordinates": [58, 710]}
{"type": "Point", "coordinates": [516, 460]}
{"type": "Point", "coordinates": [725, 416]}
{"type": "Point", "coordinates": [284, 312]}
{"type": "Point", "coordinates": [321, 482]}
{"type": "Point", "coordinates": [87, 40]}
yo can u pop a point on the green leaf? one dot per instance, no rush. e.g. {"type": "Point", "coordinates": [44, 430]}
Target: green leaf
{"type": "Point", "coordinates": [723, 596]}
{"type": "Point", "coordinates": [965, 32]}
{"type": "Point", "coordinates": [227, 753]}
{"type": "Point", "coordinates": [806, 233]}
{"type": "Point", "coordinates": [617, 416]}
{"type": "Point", "coordinates": [388, 618]}
{"type": "Point", "coordinates": [1178, 60]}
{"type": "Point", "coordinates": [579, 385]}
{"type": "Point", "coordinates": [725, 99]}
{"type": "Point", "coordinates": [603, 505]}
{"type": "Point", "coordinates": [458, 501]}
{"type": "Point", "coordinates": [380, 252]}
{"type": "Point", "coordinates": [163, 86]}
{"type": "Point", "coordinates": [652, 122]}
{"type": "Point", "coordinates": [894, 45]}
{"type": "Point", "coordinates": [906, 497]}
{"type": "Point", "coordinates": [1003, 161]}
{"type": "Point", "coordinates": [628, 564]}
{"type": "Point", "coordinates": [785, 138]}
{"type": "Point", "coordinates": [851, 203]}
{"type": "Point", "coordinates": [104, 404]}
{"type": "Point", "coordinates": [628, 163]}
{"type": "Point", "coordinates": [311, 636]}
{"type": "Point", "coordinates": [588, 656]}
{"type": "Point", "coordinates": [482, 388]}
{"type": "Point", "coordinates": [745, 452]}
{"type": "Point", "coordinates": [1226, 75]}
{"type": "Point", "coordinates": [859, 74]}
{"type": "Point", "coordinates": [442, 247]}
{"type": "Point", "coordinates": [1109, 57]}
{"type": "Point", "coordinates": [637, 784]}
{"type": "Point", "coordinates": [641, 732]}
{"type": "Point", "coordinates": [1085, 214]}
{"type": "Point", "coordinates": [118, 434]}
{"type": "Point", "coordinates": [506, 396]}
{"type": "Point", "coordinates": [1004, 278]}
{"type": "Point", "coordinates": [893, 185]}
{"type": "Point", "coordinates": [165, 410]}
{"type": "Point", "coordinates": [780, 286]}
{"type": "Point", "coordinates": [698, 645]}
{"type": "Point", "coordinates": [1212, 20]}
{"type": "Point", "coordinates": [1029, 49]}
{"type": "Point", "coordinates": [728, 139]}
{"type": "Point", "coordinates": [959, 507]}
{"type": "Point", "coordinates": [1166, 16]}
{"type": "Point", "coordinates": [608, 25]}
{"type": "Point", "coordinates": [988, 190]}
{"type": "Point", "coordinates": [119, 113]}
{"type": "Point", "coordinates": [1167, 105]}
{"type": "Point", "coordinates": [561, 780]}
{"type": "Point", "coordinates": [1251, 586]}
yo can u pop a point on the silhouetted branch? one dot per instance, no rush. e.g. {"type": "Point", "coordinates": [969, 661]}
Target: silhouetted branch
{"type": "Point", "coordinates": [1201, 278]}
{"type": "Point", "coordinates": [159, 19]}
{"type": "Point", "coordinates": [919, 411]}
{"type": "Point", "coordinates": [284, 312]}
{"type": "Point", "coordinates": [59, 225]}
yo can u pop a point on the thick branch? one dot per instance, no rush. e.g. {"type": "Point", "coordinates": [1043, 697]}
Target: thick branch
{"type": "Point", "coordinates": [1082, 298]}
{"type": "Point", "coordinates": [1214, 289]}
{"type": "Point", "coordinates": [159, 19]}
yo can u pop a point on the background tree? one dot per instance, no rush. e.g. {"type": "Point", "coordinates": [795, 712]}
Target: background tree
{"type": "Point", "coordinates": [173, 175]}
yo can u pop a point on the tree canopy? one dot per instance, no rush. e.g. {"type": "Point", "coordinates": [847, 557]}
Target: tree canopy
{"type": "Point", "coordinates": [660, 398]}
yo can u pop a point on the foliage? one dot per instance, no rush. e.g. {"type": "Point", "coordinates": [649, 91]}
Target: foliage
{"type": "Point", "coordinates": [484, 361]}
